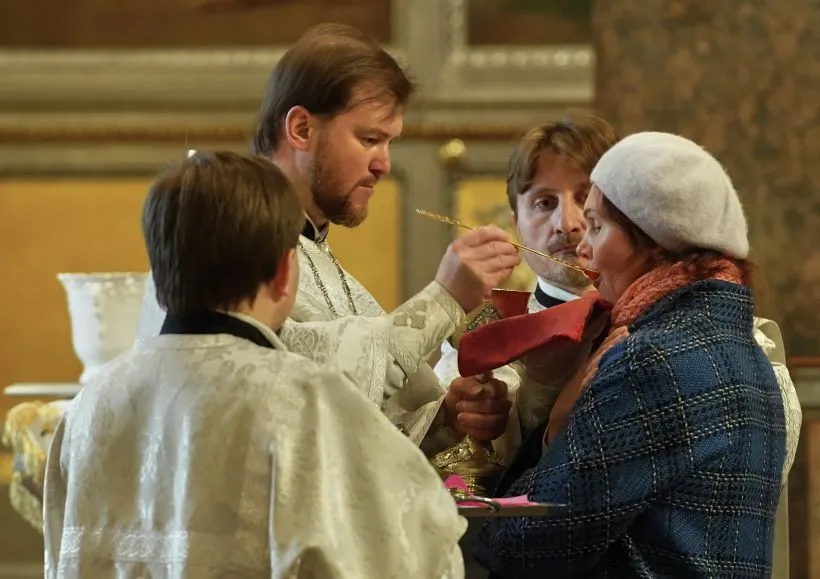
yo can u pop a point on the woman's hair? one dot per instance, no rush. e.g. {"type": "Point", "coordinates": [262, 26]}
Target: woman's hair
{"type": "Point", "coordinates": [699, 263]}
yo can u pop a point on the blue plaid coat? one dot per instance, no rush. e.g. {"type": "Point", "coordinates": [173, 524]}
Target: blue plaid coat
{"type": "Point", "coordinates": [670, 461]}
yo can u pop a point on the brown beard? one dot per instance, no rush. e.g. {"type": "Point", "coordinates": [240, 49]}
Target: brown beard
{"type": "Point", "coordinates": [556, 273]}
{"type": "Point", "coordinates": [559, 274]}
{"type": "Point", "coordinates": [329, 193]}
{"type": "Point", "coordinates": [566, 276]}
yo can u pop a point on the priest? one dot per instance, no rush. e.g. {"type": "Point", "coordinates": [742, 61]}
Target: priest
{"type": "Point", "coordinates": [210, 450]}
{"type": "Point", "coordinates": [334, 104]}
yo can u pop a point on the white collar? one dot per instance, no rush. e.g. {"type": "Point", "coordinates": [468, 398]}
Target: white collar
{"type": "Point", "coordinates": [268, 332]}
{"type": "Point", "coordinates": [556, 292]}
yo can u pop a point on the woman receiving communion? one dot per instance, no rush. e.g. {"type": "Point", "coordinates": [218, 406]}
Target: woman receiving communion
{"type": "Point", "coordinates": [667, 447]}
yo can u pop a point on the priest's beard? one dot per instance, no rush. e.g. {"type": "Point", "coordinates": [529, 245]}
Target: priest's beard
{"type": "Point", "coordinates": [330, 194]}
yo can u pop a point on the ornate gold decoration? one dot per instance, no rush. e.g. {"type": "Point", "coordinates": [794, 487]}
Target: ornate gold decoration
{"type": "Point", "coordinates": [483, 314]}
{"type": "Point", "coordinates": [475, 462]}
{"type": "Point", "coordinates": [483, 200]}
{"type": "Point", "coordinates": [25, 423]}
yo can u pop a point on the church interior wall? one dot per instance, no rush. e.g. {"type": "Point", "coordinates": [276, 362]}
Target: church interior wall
{"type": "Point", "coordinates": [86, 119]}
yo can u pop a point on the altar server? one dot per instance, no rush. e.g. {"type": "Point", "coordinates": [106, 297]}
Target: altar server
{"type": "Point", "coordinates": [211, 450]}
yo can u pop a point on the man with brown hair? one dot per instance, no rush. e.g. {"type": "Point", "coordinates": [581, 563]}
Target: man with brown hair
{"type": "Point", "coordinates": [212, 451]}
{"type": "Point", "coordinates": [334, 104]}
{"type": "Point", "coordinates": [547, 185]}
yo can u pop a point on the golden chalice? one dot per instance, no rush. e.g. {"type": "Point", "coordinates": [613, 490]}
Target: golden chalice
{"type": "Point", "coordinates": [475, 461]}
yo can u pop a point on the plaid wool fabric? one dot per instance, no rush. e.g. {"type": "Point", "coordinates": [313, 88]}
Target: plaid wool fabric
{"type": "Point", "coordinates": [671, 460]}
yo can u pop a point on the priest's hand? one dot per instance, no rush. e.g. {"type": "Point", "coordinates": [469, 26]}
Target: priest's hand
{"type": "Point", "coordinates": [476, 263]}
{"type": "Point", "coordinates": [479, 410]}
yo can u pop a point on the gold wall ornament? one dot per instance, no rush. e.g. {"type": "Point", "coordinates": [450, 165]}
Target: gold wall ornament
{"type": "Point", "coordinates": [484, 200]}
{"type": "Point", "coordinates": [452, 153]}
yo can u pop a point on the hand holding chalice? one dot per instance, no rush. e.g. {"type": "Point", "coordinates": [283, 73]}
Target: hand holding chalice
{"type": "Point", "coordinates": [479, 408]}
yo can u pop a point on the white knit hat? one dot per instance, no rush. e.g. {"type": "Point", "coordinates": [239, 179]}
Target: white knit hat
{"type": "Point", "coordinates": [675, 192]}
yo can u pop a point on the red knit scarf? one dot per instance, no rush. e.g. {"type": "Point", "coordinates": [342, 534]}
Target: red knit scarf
{"type": "Point", "coordinates": [651, 287]}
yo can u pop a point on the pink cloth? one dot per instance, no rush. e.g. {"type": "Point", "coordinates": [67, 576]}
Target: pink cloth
{"type": "Point", "coordinates": [456, 482]}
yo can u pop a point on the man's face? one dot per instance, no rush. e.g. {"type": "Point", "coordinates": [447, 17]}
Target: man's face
{"type": "Point", "coordinates": [550, 218]}
{"type": "Point", "coordinates": [351, 154]}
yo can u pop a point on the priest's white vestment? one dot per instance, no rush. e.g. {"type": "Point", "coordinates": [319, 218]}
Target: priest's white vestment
{"type": "Point", "coordinates": [210, 456]}
{"type": "Point", "coordinates": [339, 324]}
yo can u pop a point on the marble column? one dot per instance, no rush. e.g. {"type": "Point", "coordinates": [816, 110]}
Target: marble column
{"type": "Point", "coordinates": [742, 79]}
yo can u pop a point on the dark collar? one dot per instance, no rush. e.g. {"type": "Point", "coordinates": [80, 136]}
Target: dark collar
{"type": "Point", "coordinates": [214, 323]}
{"type": "Point", "coordinates": [545, 300]}
{"type": "Point", "coordinates": [317, 234]}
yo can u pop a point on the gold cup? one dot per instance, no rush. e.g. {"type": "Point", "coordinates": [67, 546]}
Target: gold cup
{"type": "Point", "coordinates": [475, 462]}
